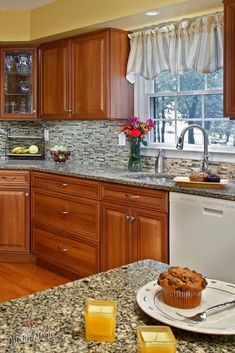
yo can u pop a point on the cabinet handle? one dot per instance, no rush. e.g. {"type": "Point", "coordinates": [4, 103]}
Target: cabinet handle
{"type": "Point", "coordinates": [62, 249]}
{"type": "Point", "coordinates": [8, 177]}
{"type": "Point", "coordinates": [27, 194]}
{"type": "Point", "coordinates": [132, 219]}
{"type": "Point", "coordinates": [64, 185]}
{"type": "Point", "coordinates": [127, 217]}
{"type": "Point", "coordinates": [63, 212]}
{"type": "Point", "coordinates": [132, 196]}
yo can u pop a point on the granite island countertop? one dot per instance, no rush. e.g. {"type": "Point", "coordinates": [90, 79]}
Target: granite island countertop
{"type": "Point", "coordinates": [162, 182]}
{"type": "Point", "coordinates": [52, 321]}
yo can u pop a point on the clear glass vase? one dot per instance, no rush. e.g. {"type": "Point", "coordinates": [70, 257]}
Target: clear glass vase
{"type": "Point", "coordinates": [134, 164]}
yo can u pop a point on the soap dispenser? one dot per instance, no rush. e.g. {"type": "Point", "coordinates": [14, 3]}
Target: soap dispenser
{"type": "Point", "coordinates": [160, 163]}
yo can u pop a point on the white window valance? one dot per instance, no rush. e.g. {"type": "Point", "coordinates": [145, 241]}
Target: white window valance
{"type": "Point", "coordinates": [178, 47]}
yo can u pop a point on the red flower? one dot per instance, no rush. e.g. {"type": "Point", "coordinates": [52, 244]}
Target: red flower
{"type": "Point", "coordinates": [135, 133]}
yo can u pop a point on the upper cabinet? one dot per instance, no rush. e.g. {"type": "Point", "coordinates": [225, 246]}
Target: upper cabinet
{"type": "Point", "coordinates": [84, 77]}
{"type": "Point", "coordinates": [229, 58]}
{"type": "Point", "coordinates": [18, 83]}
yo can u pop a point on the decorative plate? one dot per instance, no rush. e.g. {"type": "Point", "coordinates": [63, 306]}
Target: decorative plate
{"type": "Point", "coordinates": [218, 322]}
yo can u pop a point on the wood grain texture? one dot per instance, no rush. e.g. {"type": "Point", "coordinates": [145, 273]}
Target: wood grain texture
{"type": "Point", "coordinates": [18, 280]}
{"type": "Point", "coordinates": [54, 80]}
{"type": "Point", "coordinates": [229, 58]}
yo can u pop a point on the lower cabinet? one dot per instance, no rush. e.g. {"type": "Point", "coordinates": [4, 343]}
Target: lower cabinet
{"type": "Point", "coordinates": [130, 233]}
{"type": "Point", "coordinates": [14, 214]}
{"type": "Point", "coordinates": [65, 224]}
{"type": "Point", "coordinates": [77, 257]}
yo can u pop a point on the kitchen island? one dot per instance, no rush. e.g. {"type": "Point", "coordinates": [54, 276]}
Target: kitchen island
{"type": "Point", "coordinates": [52, 321]}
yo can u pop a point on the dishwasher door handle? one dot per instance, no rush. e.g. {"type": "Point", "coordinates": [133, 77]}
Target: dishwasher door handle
{"type": "Point", "coordinates": [212, 211]}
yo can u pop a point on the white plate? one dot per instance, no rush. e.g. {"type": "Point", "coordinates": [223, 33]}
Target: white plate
{"type": "Point", "coordinates": [218, 322]}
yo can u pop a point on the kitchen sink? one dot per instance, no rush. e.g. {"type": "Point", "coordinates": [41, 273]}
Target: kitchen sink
{"type": "Point", "coordinates": [148, 177]}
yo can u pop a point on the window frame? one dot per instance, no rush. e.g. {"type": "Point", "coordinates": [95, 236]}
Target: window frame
{"type": "Point", "coordinates": [142, 109]}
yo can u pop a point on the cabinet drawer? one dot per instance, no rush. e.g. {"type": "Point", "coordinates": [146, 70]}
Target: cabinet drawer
{"type": "Point", "coordinates": [76, 255]}
{"type": "Point", "coordinates": [68, 185]}
{"type": "Point", "coordinates": [14, 177]}
{"type": "Point", "coordinates": [135, 196]}
{"type": "Point", "coordinates": [75, 215]}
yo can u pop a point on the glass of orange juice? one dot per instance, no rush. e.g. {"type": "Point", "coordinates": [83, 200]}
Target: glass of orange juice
{"type": "Point", "coordinates": [100, 320]}
{"type": "Point", "coordinates": [155, 339]}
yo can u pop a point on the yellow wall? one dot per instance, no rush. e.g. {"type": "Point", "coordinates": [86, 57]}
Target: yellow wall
{"type": "Point", "coordinates": [15, 26]}
{"type": "Point", "coordinates": [69, 15]}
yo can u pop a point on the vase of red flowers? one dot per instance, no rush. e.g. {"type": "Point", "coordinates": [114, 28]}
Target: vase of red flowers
{"type": "Point", "coordinates": [136, 131]}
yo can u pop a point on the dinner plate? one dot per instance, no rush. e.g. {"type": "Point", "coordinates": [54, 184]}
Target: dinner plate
{"type": "Point", "coordinates": [218, 322]}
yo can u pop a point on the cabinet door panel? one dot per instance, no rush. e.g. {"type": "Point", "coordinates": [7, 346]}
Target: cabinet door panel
{"type": "Point", "coordinates": [14, 221]}
{"type": "Point", "coordinates": [150, 236]}
{"type": "Point", "coordinates": [229, 54]}
{"type": "Point", "coordinates": [75, 215]}
{"type": "Point", "coordinates": [115, 237]}
{"type": "Point", "coordinates": [19, 83]}
{"type": "Point", "coordinates": [54, 85]}
{"type": "Point", "coordinates": [72, 254]}
{"type": "Point", "coordinates": [90, 76]}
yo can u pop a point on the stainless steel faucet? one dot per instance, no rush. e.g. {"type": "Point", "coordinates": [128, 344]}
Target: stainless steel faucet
{"type": "Point", "coordinates": [180, 144]}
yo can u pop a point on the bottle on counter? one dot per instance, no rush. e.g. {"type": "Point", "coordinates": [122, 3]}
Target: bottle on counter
{"type": "Point", "coordinates": [160, 163]}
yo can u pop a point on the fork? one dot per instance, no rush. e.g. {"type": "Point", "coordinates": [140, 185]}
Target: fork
{"type": "Point", "coordinates": [199, 317]}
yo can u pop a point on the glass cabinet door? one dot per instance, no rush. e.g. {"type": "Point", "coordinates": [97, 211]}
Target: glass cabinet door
{"type": "Point", "coordinates": [18, 97]}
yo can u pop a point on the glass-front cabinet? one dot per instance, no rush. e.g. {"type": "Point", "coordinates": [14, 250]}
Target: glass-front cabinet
{"type": "Point", "coordinates": [18, 83]}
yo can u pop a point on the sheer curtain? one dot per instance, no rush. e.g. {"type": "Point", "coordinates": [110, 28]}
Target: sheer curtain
{"type": "Point", "coordinates": [178, 47]}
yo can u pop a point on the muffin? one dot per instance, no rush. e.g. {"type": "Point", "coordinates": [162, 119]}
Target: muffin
{"type": "Point", "coordinates": [198, 176]}
{"type": "Point", "coordinates": [181, 287]}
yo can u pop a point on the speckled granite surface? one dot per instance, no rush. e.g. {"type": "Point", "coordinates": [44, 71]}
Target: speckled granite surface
{"type": "Point", "coordinates": [118, 176]}
{"type": "Point", "coordinates": [52, 321]}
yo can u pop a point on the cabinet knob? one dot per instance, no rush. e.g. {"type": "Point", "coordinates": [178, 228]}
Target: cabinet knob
{"type": "Point", "coordinates": [66, 110]}
{"type": "Point", "coordinates": [127, 217]}
{"type": "Point", "coordinates": [132, 219]}
{"type": "Point", "coordinates": [129, 196]}
{"type": "Point", "coordinates": [8, 177]}
{"type": "Point", "coordinates": [63, 212]}
{"type": "Point", "coordinates": [62, 249]}
{"type": "Point", "coordinates": [70, 110]}
{"type": "Point", "coordinates": [27, 194]}
{"type": "Point", "coordinates": [64, 185]}
{"type": "Point", "coordinates": [34, 111]}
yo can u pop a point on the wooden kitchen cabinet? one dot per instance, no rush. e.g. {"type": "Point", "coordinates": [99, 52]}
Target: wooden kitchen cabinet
{"type": "Point", "coordinates": [65, 224]}
{"type": "Point", "coordinates": [84, 77]}
{"type": "Point", "coordinates": [14, 214]}
{"type": "Point", "coordinates": [229, 58]}
{"type": "Point", "coordinates": [134, 225]}
{"type": "Point", "coordinates": [18, 83]}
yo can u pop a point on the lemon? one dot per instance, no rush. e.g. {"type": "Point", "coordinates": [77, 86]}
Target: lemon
{"type": "Point", "coordinates": [33, 149]}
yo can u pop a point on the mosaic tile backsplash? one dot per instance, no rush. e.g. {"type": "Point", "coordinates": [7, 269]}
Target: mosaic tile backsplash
{"type": "Point", "coordinates": [96, 143]}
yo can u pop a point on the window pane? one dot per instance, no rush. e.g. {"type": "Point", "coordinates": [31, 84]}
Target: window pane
{"type": "Point", "coordinates": [221, 133]}
{"type": "Point", "coordinates": [189, 107]}
{"type": "Point", "coordinates": [192, 80]}
{"type": "Point", "coordinates": [193, 136]}
{"type": "Point", "coordinates": [214, 106]}
{"type": "Point", "coordinates": [164, 132]}
{"type": "Point", "coordinates": [164, 82]}
{"type": "Point", "coordinates": [215, 79]}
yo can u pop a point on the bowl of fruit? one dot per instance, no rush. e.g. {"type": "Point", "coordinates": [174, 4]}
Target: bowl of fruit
{"type": "Point", "coordinates": [59, 153]}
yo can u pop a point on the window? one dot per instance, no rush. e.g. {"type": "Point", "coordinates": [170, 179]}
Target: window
{"type": "Point", "coordinates": [175, 102]}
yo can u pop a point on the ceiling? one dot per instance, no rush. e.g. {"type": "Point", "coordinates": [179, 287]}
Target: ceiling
{"type": "Point", "coordinates": [21, 5]}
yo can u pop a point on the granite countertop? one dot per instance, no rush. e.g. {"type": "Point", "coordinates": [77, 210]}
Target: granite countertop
{"type": "Point", "coordinates": [162, 182]}
{"type": "Point", "coordinates": [52, 321]}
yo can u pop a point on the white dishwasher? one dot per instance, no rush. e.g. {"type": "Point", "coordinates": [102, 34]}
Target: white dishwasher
{"type": "Point", "coordinates": [202, 235]}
